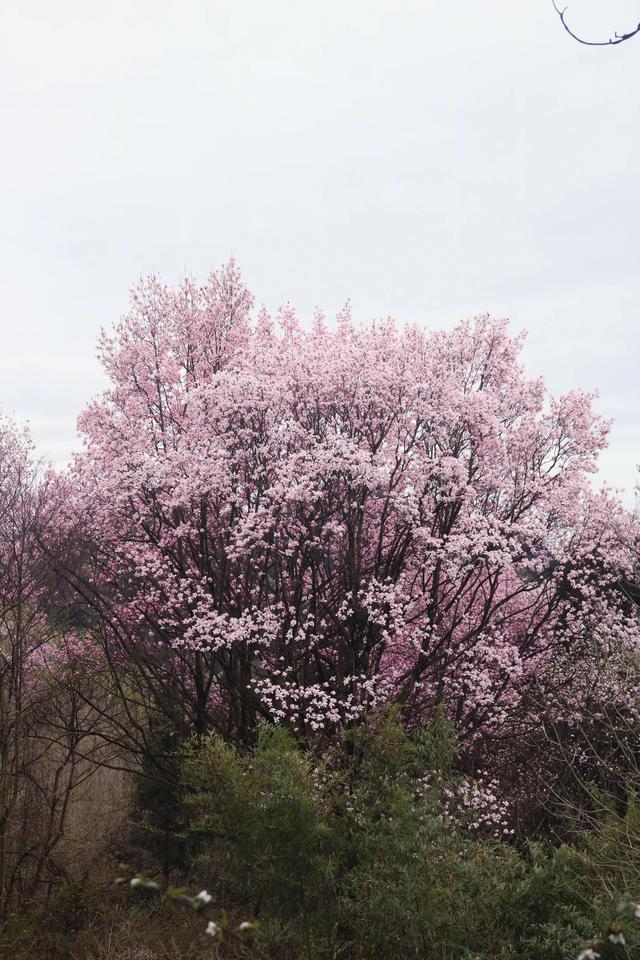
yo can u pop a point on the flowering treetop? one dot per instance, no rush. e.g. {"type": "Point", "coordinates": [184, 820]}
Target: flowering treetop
{"type": "Point", "coordinates": [303, 521]}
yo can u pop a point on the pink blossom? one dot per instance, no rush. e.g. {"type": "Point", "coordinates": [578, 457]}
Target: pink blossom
{"type": "Point", "coordinates": [303, 522]}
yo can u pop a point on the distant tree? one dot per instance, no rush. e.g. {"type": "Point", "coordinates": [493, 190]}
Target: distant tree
{"type": "Point", "coordinates": [612, 41]}
{"type": "Point", "coordinates": [45, 725]}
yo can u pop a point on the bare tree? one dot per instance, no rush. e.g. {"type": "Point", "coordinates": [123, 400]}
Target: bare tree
{"type": "Point", "coordinates": [48, 742]}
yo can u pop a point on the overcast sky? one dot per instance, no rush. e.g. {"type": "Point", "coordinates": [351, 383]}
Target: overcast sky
{"type": "Point", "coordinates": [431, 160]}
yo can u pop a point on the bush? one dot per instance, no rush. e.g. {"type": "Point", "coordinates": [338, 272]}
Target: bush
{"type": "Point", "coordinates": [367, 855]}
{"type": "Point", "coordinates": [258, 825]}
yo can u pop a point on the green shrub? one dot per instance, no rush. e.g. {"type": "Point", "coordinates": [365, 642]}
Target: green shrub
{"type": "Point", "coordinates": [360, 857]}
{"type": "Point", "coordinates": [259, 828]}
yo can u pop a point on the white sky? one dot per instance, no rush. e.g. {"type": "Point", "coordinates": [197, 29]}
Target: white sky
{"type": "Point", "coordinates": [427, 159]}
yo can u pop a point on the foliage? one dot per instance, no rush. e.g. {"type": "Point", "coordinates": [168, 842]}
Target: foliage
{"type": "Point", "coordinates": [156, 799]}
{"type": "Point", "coordinates": [358, 858]}
{"type": "Point", "coordinates": [272, 844]}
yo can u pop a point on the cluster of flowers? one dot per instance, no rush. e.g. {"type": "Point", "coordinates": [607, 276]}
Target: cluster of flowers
{"type": "Point", "coordinates": [316, 707]}
{"type": "Point", "coordinates": [473, 803]}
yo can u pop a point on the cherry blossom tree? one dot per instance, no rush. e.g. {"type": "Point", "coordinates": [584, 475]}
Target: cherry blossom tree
{"type": "Point", "coordinates": [302, 522]}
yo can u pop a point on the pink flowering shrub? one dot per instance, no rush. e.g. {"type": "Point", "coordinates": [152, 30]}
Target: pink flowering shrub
{"type": "Point", "coordinates": [304, 522]}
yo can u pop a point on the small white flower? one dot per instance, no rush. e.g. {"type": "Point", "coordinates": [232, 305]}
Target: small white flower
{"type": "Point", "coordinates": [213, 929]}
{"type": "Point", "coordinates": [636, 912]}
{"type": "Point", "coordinates": [617, 938]}
{"type": "Point", "coordinates": [136, 882]}
{"type": "Point", "coordinates": [589, 955]}
{"type": "Point", "coordinates": [245, 926]}
{"type": "Point", "coordinates": [204, 897]}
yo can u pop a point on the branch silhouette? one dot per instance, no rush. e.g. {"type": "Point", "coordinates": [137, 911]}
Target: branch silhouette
{"type": "Point", "coordinates": [611, 42]}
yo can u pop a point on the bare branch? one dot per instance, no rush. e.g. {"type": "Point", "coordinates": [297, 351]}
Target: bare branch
{"type": "Point", "coordinates": [611, 42]}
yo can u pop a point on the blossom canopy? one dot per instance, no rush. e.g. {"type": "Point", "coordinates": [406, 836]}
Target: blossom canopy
{"type": "Point", "coordinates": [302, 521]}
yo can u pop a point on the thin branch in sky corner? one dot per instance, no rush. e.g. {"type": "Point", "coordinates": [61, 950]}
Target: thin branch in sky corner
{"type": "Point", "coordinates": [611, 42]}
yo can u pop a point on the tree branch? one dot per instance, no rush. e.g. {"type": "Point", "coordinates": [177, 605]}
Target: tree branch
{"type": "Point", "coordinates": [611, 42]}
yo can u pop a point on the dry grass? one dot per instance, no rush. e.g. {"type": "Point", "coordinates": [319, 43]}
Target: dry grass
{"type": "Point", "coordinates": [97, 818]}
